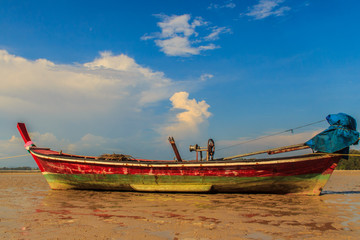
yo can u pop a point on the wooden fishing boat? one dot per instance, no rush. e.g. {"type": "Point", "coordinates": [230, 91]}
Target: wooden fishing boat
{"type": "Point", "coordinates": [303, 174]}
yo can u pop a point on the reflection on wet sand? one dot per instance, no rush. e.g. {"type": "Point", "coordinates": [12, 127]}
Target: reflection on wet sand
{"type": "Point", "coordinates": [34, 211]}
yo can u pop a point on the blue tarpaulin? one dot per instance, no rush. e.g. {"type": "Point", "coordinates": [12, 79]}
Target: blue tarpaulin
{"type": "Point", "coordinates": [339, 136]}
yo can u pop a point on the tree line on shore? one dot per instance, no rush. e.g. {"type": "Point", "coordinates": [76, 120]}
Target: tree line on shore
{"type": "Point", "coordinates": [18, 168]}
{"type": "Point", "coordinates": [353, 163]}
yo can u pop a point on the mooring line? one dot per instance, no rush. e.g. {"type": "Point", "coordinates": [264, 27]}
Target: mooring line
{"type": "Point", "coordinates": [271, 135]}
{"type": "Point", "coordinates": [14, 156]}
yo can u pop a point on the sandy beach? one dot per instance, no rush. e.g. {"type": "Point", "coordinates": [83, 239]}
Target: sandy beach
{"type": "Point", "coordinates": [30, 210]}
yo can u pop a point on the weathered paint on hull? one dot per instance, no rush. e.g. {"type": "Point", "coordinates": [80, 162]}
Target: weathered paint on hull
{"type": "Point", "coordinates": [309, 184]}
{"type": "Point", "coordinates": [305, 174]}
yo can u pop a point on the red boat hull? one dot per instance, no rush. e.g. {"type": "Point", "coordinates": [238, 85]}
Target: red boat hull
{"type": "Point", "coordinates": [305, 174]}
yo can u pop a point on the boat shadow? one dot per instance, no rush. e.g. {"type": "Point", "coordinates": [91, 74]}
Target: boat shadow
{"type": "Point", "coordinates": [339, 192]}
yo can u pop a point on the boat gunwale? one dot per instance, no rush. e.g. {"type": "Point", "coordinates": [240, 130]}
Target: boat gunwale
{"type": "Point", "coordinates": [171, 163]}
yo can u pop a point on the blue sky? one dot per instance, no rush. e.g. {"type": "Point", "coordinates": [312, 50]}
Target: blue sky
{"type": "Point", "coordinates": [92, 77]}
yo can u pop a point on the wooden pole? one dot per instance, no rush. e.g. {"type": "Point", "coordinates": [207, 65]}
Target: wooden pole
{"type": "Point", "coordinates": [272, 151]}
{"type": "Point", "coordinates": [177, 154]}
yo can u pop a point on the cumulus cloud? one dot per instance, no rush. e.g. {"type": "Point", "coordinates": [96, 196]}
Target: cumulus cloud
{"type": "Point", "coordinates": [194, 113]}
{"type": "Point", "coordinates": [178, 36]}
{"type": "Point", "coordinates": [173, 25]}
{"type": "Point", "coordinates": [266, 8]}
{"type": "Point", "coordinates": [177, 46]}
{"type": "Point", "coordinates": [98, 86]}
{"type": "Point", "coordinates": [10, 146]}
{"type": "Point", "coordinates": [14, 146]}
{"type": "Point", "coordinates": [119, 62]}
{"type": "Point", "coordinates": [189, 120]}
{"type": "Point", "coordinates": [111, 95]}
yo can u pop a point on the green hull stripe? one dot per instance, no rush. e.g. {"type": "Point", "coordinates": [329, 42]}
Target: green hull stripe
{"type": "Point", "coordinates": [306, 184]}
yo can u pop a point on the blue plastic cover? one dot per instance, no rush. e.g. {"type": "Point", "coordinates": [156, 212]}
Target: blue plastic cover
{"type": "Point", "coordinates": [339, 136]}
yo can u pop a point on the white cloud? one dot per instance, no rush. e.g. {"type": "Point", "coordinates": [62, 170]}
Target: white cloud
{"type": "Point", "coordinates": [92, 144]}
{"type": "Point", "coordinates": [226, 4]}
{"type": "Point", "coordinates": [14, 147]}
{"type": "Point", "coordinates": [188, 121]}
{"type": "Point", "coordinates": [216, 31]}
{"type": "Point", "coordinates": [98, 86]}
{"type": "Point", "coordinates": [178, 36]}
{"type": "Point", "coordinates": [208, 47]}
{"type": "Point", "coordinates": [107, 60]}
{"type": "Point", "coordinates": [171, 26]}
{"type": "Point", "coordinates": [266, 8]}
{"type": "Point", "coordinates": [177, 46]}
{"type": "Point", "coordinates": [10, 147]}
{"type": "Point", "coordinates": [111, 95]}
{"type": "Point", "coordinates": [206, 76]}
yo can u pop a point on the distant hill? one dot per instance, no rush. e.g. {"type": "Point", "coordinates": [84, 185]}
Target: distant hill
{"type": "Point", "coordinates": [353, 163]}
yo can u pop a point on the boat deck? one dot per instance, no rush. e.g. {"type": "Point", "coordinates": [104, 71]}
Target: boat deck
{"type": "Point", "coordinates": [51, 154]}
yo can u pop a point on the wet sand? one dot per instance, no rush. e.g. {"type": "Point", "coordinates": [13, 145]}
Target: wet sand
{"type": "Point", "coordinates": [30, 210]}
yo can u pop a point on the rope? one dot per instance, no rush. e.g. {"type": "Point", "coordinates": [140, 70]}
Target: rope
{"type": "Point", "coordinates": [14, 156]}
{"type": "Point", "coordinates": [270, 135]}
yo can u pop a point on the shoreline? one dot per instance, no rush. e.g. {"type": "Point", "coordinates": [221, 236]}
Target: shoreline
{"type": "Point", "coordinates": [20, 171]}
